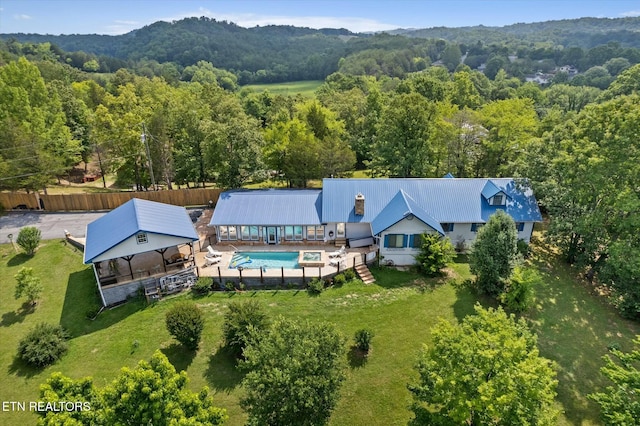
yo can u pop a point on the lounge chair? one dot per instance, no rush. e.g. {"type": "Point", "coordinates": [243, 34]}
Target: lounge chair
{"type": "Point", "coordinates": [337, 261]}
{"type": "Point", "coordinates": [211, 260]}
{"type": "Point", "coordinates": [212, 252]}
{"type": "Point", "coordinates": [338, 253]}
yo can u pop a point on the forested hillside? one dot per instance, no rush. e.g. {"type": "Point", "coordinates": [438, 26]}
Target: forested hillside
{"type": "Point", "coordinates": [286, 53]}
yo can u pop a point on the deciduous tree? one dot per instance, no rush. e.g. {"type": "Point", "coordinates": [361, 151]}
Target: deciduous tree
{"type": "Point", "coordinates": [485, 371]}
{"type": "Point", "coordinates": [295, 374]}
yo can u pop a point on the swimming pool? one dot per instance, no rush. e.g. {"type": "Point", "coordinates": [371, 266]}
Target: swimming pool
{"type": "Point", "coordinates": [265, 260]}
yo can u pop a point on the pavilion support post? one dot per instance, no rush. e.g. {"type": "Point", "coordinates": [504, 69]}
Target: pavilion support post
{"type": "Point", "coordinates": [220, 277]}
{"type": "Point", "coordinates": [304, 281]}
{"type": "Point", "coordinates": [282, 273]}
{"type": "Point", "coordinates": [162, 251]}
{"type": "Point", "coordinates": [128, 259]}
{"type": "Point", "coordinates": [319, 272]}
{"type": "Point", "coordinates": [261, 277]}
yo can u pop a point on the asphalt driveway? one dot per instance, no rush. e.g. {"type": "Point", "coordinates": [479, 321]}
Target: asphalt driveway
{"type": "Point", "coordinates": [51, 225]}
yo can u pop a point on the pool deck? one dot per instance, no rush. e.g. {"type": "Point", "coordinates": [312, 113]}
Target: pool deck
{"type": "Point", "coordinates": [221, 269]}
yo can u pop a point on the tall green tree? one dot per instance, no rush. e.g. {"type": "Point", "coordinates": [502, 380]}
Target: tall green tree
{"type": "Point", "coordinates": [36, 145]}
{"type": "Point", "coordinates": [494, 253]}
{"type": "Point", "coordinates": [485, 371]}
{"type": "Point", "coordinates": [151, 393]}
{"type": "Point", "coordinates": [620, 402]}
{"type": "Point", "coordinates": [295, 371]}
{"type": "Point", "coordinates": [403, 147]}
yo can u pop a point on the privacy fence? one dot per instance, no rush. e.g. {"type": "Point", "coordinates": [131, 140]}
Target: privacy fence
{"type": "Point", "coordinates": [105, 201]}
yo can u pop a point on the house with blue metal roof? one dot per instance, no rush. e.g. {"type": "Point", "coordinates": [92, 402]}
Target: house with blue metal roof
{"type": "Point", "coordinates": [119, 244]}
{"type": "Point", "coordinates": [390, 213]}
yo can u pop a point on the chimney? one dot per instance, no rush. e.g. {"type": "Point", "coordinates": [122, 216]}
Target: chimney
{"type": "Point", "coordinates": [359, 207]}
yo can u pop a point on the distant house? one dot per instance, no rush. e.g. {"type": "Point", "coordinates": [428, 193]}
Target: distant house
{"type": "Point", "coordinates": [134, 242]}
{"type": "Point", "coordinates": [390, 213]}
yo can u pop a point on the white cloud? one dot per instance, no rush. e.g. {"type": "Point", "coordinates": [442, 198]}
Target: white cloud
{"type": "Point", "coordinates": [22, 17]}
{"type": "Point", "coordinates": [630, 14]}
{"type": "Point", "coordinates": [249, 20]}
{"type": "Point", "coordinates": [122, 27]}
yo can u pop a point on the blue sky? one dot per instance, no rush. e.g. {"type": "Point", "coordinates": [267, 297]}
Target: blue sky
{"type": "Point", "coordinates": [121, 16]}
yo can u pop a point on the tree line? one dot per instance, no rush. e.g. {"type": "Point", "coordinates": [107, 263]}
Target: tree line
{"type": "Point", "coordinates": [575, 144]}
{"type": "Point", "coordinates": [286, 53]}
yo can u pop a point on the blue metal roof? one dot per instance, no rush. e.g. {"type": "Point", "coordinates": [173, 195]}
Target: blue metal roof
{"type": "Point", "coordinates": [268, 207]}
{"type": "Point", "coordinates": [490, 189]}
{"type": "Point", "coordinates": [401, 206]}
{"type": "Point", "coordinates": [135, 216]}
{"type": "Point", "coordinates": [456, 200]}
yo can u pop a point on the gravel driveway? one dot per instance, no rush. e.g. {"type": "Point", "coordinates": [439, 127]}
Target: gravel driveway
{"type": "Point", "coordinates": [51, 225]}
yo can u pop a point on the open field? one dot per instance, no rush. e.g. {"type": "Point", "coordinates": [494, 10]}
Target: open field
{"type": "Point", "coordinates": [574, 329]}
{"type": "Point", "coordinates": [304, 88]}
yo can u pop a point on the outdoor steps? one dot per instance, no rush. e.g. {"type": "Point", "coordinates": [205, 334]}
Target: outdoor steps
{"type": "Point", "coordinates": [339, 242]}
{"type": "Point", "coordinates": [364, 274]}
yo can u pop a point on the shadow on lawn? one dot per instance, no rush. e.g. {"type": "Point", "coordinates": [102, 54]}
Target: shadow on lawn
{"type": "Point", "coordinates": [179, 356]}
{"type": "Point", "coordinates": [81, 302]}
{"type": "Point", "coordinates": [222, 373]}
{"type": "Point", "coordinates": [574, 327]}
{"type": "Point", "coordinates": [22, 369]}
{"type": "Point", "coordinates": [13, 317]}
{"type": "Point", "coordinates": [18, 259]}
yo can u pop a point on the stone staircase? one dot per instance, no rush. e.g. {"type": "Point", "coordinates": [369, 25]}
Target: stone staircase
{"type": "Point", "coordinates": [339, 242]}
{"type": "Point", "coordinates": [364, 274]}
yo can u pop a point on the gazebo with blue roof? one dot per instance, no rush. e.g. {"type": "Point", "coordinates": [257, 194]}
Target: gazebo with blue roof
{"type": "Point", "coordinates": [141, 228]}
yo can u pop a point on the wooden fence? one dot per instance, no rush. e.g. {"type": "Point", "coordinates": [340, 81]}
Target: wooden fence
{"type": "Point", "coordinates": [105, 201]}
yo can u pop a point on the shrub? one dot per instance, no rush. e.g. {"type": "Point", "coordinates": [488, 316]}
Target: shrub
{"type": "Point", "coordinates": [523, 248]}
{"type": "Point", "coordinates": [230, 286]}
{"type": "Point", "coordinates": [240, 321]}
{"type": "Point", "coordinates": [28, 284]}
{"type": "Point", "coordinates": [185, 322]}
{"type": "Point", "coordinates": [339, 279]}
{"type": "Point", "coordinates": [43, 345]}
{"type": "Point", "coordinates": [29, 239]}
{"type": "Point", "coordinates": [349, 274]}
{"type": "Point", "coordinates": [315, 286]}
{"type": "Point", "coordinates": [363, 340]}
{"type": "Point", "coordinates": [435, 253]}
{"type": "Point", "coordinates": [518, 294]}
{"type": "Point", "coordinates": [202, 286]}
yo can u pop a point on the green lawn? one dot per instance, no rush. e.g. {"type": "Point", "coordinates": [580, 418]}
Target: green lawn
{"type": "Point", "coordinates": [304, 88]}
{"type": "Point", "coordinates": [574, 329]}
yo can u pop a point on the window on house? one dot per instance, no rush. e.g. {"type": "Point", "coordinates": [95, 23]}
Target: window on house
{"type": "Point", "coordinates": [141, 238]}
{"type": "Point", "coordinates": [498, 200]}
{"type": "Point", "coordinates": [227, 233]}
{"type": "Point", "coordinates": [447, 227]}
{"type": "Point", "coordinates": [249, 233]}
{"type": "Point", "coordinates": [394, 240]}
{"type": "Point", "coordinates": [415, 241]}
{"type": "Point", "coordinates": [288, 233]}
{"type": "Point", "coordinates": [520, 226]}
{"type": "Point", "coordinates": [315, 232]}
{"type": "Point", "coordinates": [297, 233]}
{"type": "Point", "coordinates": [476, 226]}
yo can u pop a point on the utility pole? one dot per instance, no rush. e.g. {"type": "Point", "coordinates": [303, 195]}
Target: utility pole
{"type": "Point", "coordinates": [146, 144]}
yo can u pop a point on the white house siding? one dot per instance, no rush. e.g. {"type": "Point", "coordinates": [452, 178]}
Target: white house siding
{"type": "Point", "coordinates": [406, 255]}
{"type": "Point", "coordinates": [358, 230]}
{"type": "Point", "coordinates": [131, 246]}
{"type": "Point", "coordinates": [462, 233]}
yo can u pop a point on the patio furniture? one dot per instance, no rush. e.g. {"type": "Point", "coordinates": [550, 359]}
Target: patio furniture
{"type": "Point", "coordinates": [338, 253]}
{"type": "Point", "coordinates": [212, 252]}
{"type": "Point", "coordinates": [337, 261]}
{"type": "Point", "coordinates": [208, 261]}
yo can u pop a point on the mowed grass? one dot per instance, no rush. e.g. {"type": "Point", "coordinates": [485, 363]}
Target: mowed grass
{"type": "Point", "coordinates": [574, 328]}
{"type": "Point", "coordinates": [292, 88]}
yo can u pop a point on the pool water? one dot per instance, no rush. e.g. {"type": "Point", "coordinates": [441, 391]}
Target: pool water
{"type": "Point", "coordinates": [265, 260]}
